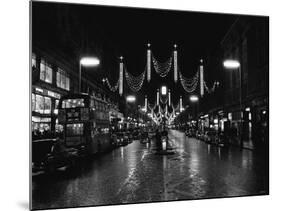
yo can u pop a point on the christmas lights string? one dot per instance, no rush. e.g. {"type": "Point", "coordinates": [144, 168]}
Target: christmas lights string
{"type": "Point", "coordinates": [112, 88]}
{"type": "Point", "coordinates": [135, 82]}
{"type": "Point", "coordinates": [162, 68]}
{"type": "Point", "coordinates": [163, 101]}
{"type": "Point", "coordinates": [152, 107]}
{"type": "Point", "coordinates": [210, 90]}
{"type": "Point", "coordinates": [189, 85]}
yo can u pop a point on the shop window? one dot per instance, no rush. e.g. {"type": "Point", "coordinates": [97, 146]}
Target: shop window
{"type": "Point", "coordinates": [62, 79]}
{"type": "Point", "coordinates": [56, 107]}
{"type": "Point", "coordinates": [41, 104]}
{"type": "Point", "coordinates": [46, 71]}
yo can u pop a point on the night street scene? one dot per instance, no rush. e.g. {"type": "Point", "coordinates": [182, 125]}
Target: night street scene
{"type": "Point", "coordinates": [134, 105]}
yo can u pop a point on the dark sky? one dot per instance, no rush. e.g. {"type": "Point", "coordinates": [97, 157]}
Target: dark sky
{"type": "Point", "coordinates": [110, 32]}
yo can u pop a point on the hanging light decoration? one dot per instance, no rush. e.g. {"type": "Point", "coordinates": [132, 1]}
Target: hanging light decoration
{"type": "Point", "coordinates": [181, 108]}
{"type": "Point", "coordinates": [121, 76]}
{"type": "Point", "coordinates": [135, 82]}
{"type": "Point", "coordinates": [201, 78]}
{"type": "Point", "coordinates": [157, 97]}
{"type": "Point", "coordinates": [145, 103]}
{"type": "Point", "coordinates": [189, 84]}
{"type": "Point", "coordinates": [210, 90]}
{"type": "Point", "coordinates": [148, 63]}
{"type": "Point", "coordinates": [112, 88]}
{"type": "Point", "coordinates": [169, 98]}
{"type": "Point", "coordinates": [162, 68]}
{"type": "Point", "coordinates": [175, 64]}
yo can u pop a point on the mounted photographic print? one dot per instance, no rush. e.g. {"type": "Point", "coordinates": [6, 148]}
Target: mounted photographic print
{"type": "Point", "coordinates": [134, 105]}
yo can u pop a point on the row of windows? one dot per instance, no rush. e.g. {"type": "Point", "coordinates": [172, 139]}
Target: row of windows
{"type": "Point", "coordinates": [62, 79]}
{"type": "Point", "coordinates": [101, 106]}
{"type": "Point", "coordinates": [41, 104]}
{"type": "Point", "coordinates": [46, 74]}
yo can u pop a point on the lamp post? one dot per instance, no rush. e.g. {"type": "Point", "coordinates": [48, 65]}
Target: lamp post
{"type": "Point", "coordinates": [235, 64]}
{"type": "Point", "coordinates": [195, 99]}
{"type": "Point", "coordinates": [87, 62]}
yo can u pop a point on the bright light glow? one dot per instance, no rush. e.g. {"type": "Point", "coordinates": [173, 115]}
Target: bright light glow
{"type": "Point", "coordinates": [163, 90]}
{"type": "Point", "coordinates": [264, 112]}
{"type": "Point", "coordinates": [89, 61]}
{"type": "Point", "coordinates": [230, 116]}
{"type": "Point", "coordinates": [194, 98]}
{"type": "Point", "coordinates": [247, 109]}
{"type": "Point", "coordinates": [131, 98]}
{"type": "Point", "coordinates": [231, 64]}
{"type": "Point", "coordinates": [216, 121]}
{"type": "Point", "coordinates": [143, 109]}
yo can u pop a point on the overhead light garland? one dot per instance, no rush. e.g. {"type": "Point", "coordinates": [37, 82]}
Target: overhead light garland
{"type": "Point", "coordinates": [135, 82]}
{"type": "Point", "coordinates": [162, 68]}
{"type": "Point", "coordinates": [112, 88]}
{"type": "Point", "coordinates": [189, 84]}
{"type": "Point", "coordinates": [210, 90]}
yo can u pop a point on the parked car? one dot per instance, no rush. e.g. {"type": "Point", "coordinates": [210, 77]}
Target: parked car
{"type": "Point", "coordinates": [50, 154]}
{"type": "Point", "coordinates": [211, 137]}
{"type": "Point", "coordinates": [120, 138]}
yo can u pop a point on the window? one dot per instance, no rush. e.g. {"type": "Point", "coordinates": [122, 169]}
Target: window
{"type": "Point", "coordinates": [74, 129]}
{"type": "Point", "coordinates": [56, 107]}
{"type": "Point", "coordinates": [33, 60]}
{"type": "Point", "coordinates": [41, 104]}
{"type": "Point", "coordinates": [73, 103]}
{"type": "Point", "coordinates": [46, 71]}
{"type": "Point", "coordinates": [33, 102]}
{"type": "Point", "coordinates": [62, 79]}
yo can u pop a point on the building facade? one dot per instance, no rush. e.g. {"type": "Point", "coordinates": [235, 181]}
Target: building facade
{"type": "Point", "coordinates": [53, 77]}
{"type": "Point", "coordinates": [246, 89]}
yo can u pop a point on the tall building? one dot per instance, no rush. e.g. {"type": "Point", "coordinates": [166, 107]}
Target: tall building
{"type": "Point", "coordinates": [246, 89]}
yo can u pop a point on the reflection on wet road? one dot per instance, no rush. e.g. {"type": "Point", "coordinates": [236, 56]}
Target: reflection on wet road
{"type": "Point", "coordinates": [134, 173]}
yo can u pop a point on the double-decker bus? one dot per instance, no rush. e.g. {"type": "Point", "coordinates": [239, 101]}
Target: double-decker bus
{"type": "Point", "coordinates": [85, 121]}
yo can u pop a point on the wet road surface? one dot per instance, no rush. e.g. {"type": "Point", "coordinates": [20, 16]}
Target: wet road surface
{"type": "Point", "coordinates": [134, 173]}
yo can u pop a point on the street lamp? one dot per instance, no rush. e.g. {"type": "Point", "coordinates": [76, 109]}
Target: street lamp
{"type": "Point", "coordinates": [193, 98]}
{"type": "Point", "coordinates": [131, 99]}
{"type": "Point", "coordinates": [235, 64]}
{"type": "Point", "coordinates": [87, 62]}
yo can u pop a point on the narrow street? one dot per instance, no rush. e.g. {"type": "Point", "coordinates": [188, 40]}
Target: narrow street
{"type": "Point", "coordinates": [134, 173]}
